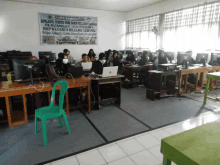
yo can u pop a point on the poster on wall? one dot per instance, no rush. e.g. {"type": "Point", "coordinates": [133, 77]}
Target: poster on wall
{"type": "Point", "coordinates": [67, 30]}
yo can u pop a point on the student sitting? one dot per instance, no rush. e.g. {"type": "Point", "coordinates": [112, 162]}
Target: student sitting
{"type": "Point", "coordinates": [130, 59]}
{"type": "Point", "coordinates": [143, 60]}
{"type": "Point", "coordinates": [69, 57]}
{"type": "Point", "coordinates": [116, 62]}
{"type": "Point", "coordinates": [97, 68]}
{"type": "Point", "coordinates": [84, 59]}
{"type": "Point", "coordinates": [91, 53]}
{"type": "Point", "coordinates": [59, 63]}
{"type": "Point", "coordinates": [161, 59]}
{"type": "Point", "coordinates": [109, 52]}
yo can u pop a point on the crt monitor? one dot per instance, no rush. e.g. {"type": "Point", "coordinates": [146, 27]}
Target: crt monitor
{"type": "Point", "coordinates": [182, 56]}
{"type": "Point", "coordinates": [22, 72]}
{"type": "Point", "coordinates": [11, 58]}
{"type": "Point", "coordinates": [48, 57]}
{"type": "Point", "coordinates": [169, 55]}
{"type": "Point", "coordinates": [200, 57]}
{"type": "Point", "coordinates": [214, 58]}
{"type": "Point", "coordinates": [153, 56]}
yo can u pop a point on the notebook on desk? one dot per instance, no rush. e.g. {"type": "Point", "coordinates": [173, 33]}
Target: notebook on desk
{"type": "Point", "coordinates": [109, 71]}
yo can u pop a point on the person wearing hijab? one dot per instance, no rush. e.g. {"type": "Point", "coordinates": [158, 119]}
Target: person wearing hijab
{"type": "Point", "coordinates": [161, 59]}
{"type": "Point", "coordinates": [91, 53]}
{"type": "Point", "coordinates": [130, 58]}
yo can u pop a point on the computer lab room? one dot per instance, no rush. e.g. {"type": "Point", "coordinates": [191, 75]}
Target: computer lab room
{"type": "Point", "coordinates": [109, 82]}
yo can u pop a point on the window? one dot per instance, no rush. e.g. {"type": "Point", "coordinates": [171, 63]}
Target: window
{"type": "Point", "coordinates": [194, 29]}
{"type": "Point", "coordinates": [139, 33]}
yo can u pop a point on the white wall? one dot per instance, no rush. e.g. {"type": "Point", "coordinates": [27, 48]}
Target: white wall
{"type": "Point", "coordinates": [19, 28]}
{"type": "Point", "coordinates": [162, 7]}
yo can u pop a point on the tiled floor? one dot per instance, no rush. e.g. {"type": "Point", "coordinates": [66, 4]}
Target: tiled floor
{"type": "Point", "coordinates": [143, 149]}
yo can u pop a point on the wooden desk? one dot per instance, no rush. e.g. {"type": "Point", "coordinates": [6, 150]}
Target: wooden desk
{"type": "Point", "coordinates": [199, 71]}
{"type": "Point", "coordinates": [198, 146]}
{"type": "Point", "coordinates": [157, 90]}
{"type": "Point", "coordinates": [97, 82]}
{"type": "Point", "coordinates": [23, 89]}
{"type": "Point", "coordinates": [130, 71]}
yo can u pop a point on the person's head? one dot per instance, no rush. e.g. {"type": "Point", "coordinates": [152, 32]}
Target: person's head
{"type": "Point", "coordinates": [161, 53]}
{"type": "Point", "coordinates": [61, 55]}
{"type": "Point", "coordinates": [115, 55]}
{"type": "Point", "coordinates": [85, 57]}
{"type": "Point", "coordinates": [91, 51]}
{"type": "Point", "coordinates": [33, 58]}
{"type": "Point", "coordinates": [102, 58]}
{"type": "Point", "coordinates": [66, 52]}
{"type": "Point", "coordinates": [65, 59]}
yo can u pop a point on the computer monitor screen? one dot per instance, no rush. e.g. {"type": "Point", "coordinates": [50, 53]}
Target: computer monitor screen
{"type": "Point", "coordinates": [169, 55]}
{"type": "Point", "coordinates": [11, 58]}
{"type": "Point", "coordinates": [140, 53]}
{"type": "Point", "coordinates": [201, 56]}
{"type": "Point", "coordinates": [40, 53]}
{"type": "Point", "coordinates": [48, 57]}
{"type": "Point", "coordinates": [182, 56]}
{"type": "Point", "coordinates": [53, 57]}
{"type": "Point", "coordinates": [214, 57]}
{"type": "Point", "coordinates": [26, 54]}
{"type": "Point", "coordinates": [21, 69]}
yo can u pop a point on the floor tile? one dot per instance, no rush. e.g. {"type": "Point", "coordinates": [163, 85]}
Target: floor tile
{"type": "Point", "coordinates": [148, 141]}
{"type": "Point", "coordinates": [123, 161]}
{"type": "Point", "coordinates": [174, 129]}
{"type": "Point", "coordinates": [131, 146]}
{"type": "Point", "coordinates": [92, 157]}
{"type": "Point", "coordinates": [156, 152]}
{"type": "Point", "coordinates": [144, 158]}
{"type": "Point", "coordinates": [161, 134]}
{"type": "Point", "coordinates": [67, 161]}
{"type": "Point", "coordinates": [190, 124]}
{"type": "Point", "coordinates": [112, 152]}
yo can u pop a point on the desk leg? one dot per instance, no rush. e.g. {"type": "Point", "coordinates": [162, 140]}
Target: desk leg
{"type": "Point", "coordinates": [166, 161]}
{"type": "Point", "coordinates": [202, 78]}
{"type": "Point", "coordinates": [67, 103]}
{"type": "Point", "coordinates": [95, 90]}
{"type": "Point", "coordinates": [179, 83]}
{"type": "Point", "coordinates": [197, 80]}
{"type": "Point", "coordinates": [185, 83]}
{"type": "Point", "coordinates": [8, 111]}
{"type": "Point", "coordinates": [49, 97]}
{"type": "Point", "coordinates": [206, 90]}
{"type": "Point", "coordinates": [89, 99]}
{"type": "Point", "coordinates": [25, 108]}
{"type": "Point", "coordinates": [118, 101]}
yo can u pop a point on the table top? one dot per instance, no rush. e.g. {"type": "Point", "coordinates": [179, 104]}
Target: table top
{"type": "Point", "coordinates": [138, 66]}
{"type": "Point", "coordinates": [198, 146]}
{"type": "Point", "coordinates": [20, 86]}
{"type": "Point", "coordinates": [214, 74]}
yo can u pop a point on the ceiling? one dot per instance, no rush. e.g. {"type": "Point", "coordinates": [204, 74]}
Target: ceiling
{"type": "Point", "coordinates": [109, 5]}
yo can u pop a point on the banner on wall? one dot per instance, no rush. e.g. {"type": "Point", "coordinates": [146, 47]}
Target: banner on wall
{"type": "Point", "coordinates": [68, 30]}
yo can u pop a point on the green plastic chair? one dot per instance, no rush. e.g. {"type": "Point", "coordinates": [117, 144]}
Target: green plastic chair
{"type": "Point", "coordinates": [52, 111]}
